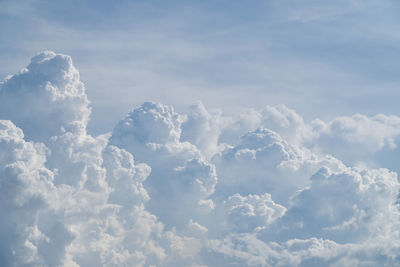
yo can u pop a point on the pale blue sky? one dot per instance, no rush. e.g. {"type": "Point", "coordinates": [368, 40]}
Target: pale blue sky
{"type": "Point", "coordinates": [322, 58]}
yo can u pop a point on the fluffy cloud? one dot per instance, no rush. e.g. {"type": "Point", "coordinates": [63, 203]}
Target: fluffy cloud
{"type": "Point", "coordinates": [248, 250]}
{"type": "Point", "coordinates": [259, 188]}
{"type": "Point", "coordinates": [351, 205]}
{"type": "Point", "coordinates": [202, 128]}
{"type": "Point", "coordinates": [358, 138]}
{"type": "Point", "coordinates": [181, 177]}
{"type": "Point", "coordinates": [45, 98]}
{"type": "Point", "coordinates": [252, 212]}
{"type": "Point", "coordinates": [263, 162]}
{"type": "Point", "coordinates": [25, 185]}
{"type": "Point", "coordinates": [72, 199]}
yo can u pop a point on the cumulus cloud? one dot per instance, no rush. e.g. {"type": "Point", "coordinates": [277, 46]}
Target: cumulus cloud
{"type": "Point", "coordinates": [45, 98]}
{"type": "Point", "coordinates": [263, 162]}
{"type": "Point", "coordinates": [345, 206]}
{"type": "Point", "coordinates": [248, 250]}
{"type": "Point", "coordinates": [202, 128]}
{"type": "Point", "coordinates": [182, 178]}
{"type": "Point", "coordinates": [252, 212]}
{"type": "Point", "coordinates": [25, 185]}
{"type": "Point", "coordinates": [357, 138]}
{"type": "Point", "coordinates": [202, 188]}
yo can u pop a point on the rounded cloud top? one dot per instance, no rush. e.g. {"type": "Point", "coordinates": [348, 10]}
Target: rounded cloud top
{"type": "Point", "coordinates": [46, 98]}
{"type": "Point", "coordinates": [151, 123]}
{"type": "Point", "coordinates": [201, 188]}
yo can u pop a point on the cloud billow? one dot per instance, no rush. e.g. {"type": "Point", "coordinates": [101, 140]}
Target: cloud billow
{"type": "Point", "coordinates": [259, 188]}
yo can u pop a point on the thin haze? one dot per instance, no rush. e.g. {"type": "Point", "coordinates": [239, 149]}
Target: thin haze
{"type": "Point", "coordinates": [322, 58]}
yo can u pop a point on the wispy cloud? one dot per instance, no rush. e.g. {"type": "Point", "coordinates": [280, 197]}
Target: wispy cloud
{"type": "Point", "coordinates": [338, 53]}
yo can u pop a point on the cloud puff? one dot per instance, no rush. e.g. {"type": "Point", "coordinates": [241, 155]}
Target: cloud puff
{"type": "Point", "coordinates": [252, 212]}
{"type": "Point", "coordinates": [71, 200]}
{"type": "Point", "coordinates": [45, 98]}
{"type": "Point", "coordinates": [26, 196]}
{"type": "Point", "coordinates": [247, 249]}
{"type": "Point", "coordinates": [263, 162]}
{"type": "Point", "coordinates": [181, 177]}
{"type": "Point", "coordinates": [346, 206]}
{"type": "Point", "coordinates": [259, 188]}
{"type": "Point", "coordinates": [202, 128]}
{"type": "Point", "coordinates": [357, 138]}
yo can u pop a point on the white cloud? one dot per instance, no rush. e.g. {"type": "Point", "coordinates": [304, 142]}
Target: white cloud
{"type": "Point", "coordinates": [202, 128]}
{"type": "Point", "coordinates": [181, 177]}
{"type": "Point", "coordinates": [197, 189]}
{"type": "Point", "coordinates": [346, 206]}
{"type": "Point", "coordinates": [356, 138]}
{"type": "Point", "coordinates": [45, 98]}
{"type": "Point", "coordinates": [26, 195]}
{"type": "Point", "coordinates": [263, 162]}
{"type": "Point", "coordinates": [252, 212]}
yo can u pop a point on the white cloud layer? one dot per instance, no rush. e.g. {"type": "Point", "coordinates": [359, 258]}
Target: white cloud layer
{"type": "Point", "coordinates": [259, 188]}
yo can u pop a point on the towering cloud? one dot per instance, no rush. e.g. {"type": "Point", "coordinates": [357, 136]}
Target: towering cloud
{"type": "Point", "coordinates": [258, 188]}
{"type": "Point", "coordinates": [25, 190]}
{"type": "Point", "coordinates": [181, 179]}
{"type": "Point", "coordinates": [46, 98]}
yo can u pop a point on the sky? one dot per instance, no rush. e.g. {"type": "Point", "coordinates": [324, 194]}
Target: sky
{"type": "Point", "coordinates": [199, 133]}
{"type": "Point", "coordinates": [322, 58]}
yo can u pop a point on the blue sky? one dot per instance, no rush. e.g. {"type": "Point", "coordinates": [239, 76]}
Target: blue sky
{"type": "Point", "coordinates": [307, 175]}
{"type": "Point", "coordinates": [322, 58]}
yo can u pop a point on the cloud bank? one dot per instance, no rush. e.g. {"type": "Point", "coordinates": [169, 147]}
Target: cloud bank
{"type": "Point", "coordinates": [257, 188]}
